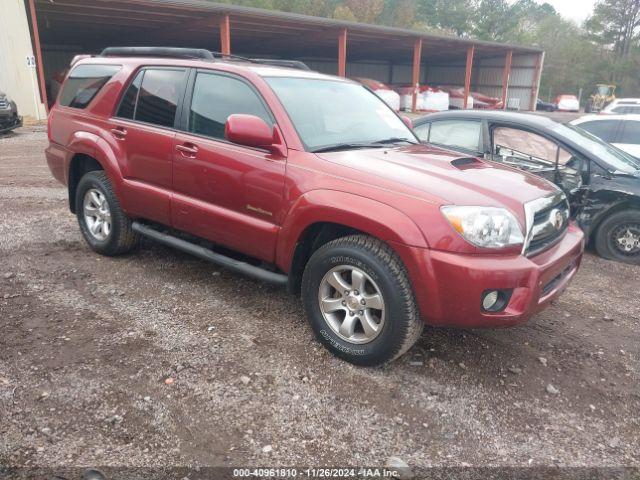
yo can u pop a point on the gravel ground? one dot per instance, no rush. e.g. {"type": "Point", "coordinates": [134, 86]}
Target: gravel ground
{"type": "Point", "coordinates": [157, 358]}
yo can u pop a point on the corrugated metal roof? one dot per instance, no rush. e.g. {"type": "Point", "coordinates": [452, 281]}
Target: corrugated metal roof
{"type": "Point", "coordinates": [91, 23]}
{"type": "Point", "coordinates": [204, 5]}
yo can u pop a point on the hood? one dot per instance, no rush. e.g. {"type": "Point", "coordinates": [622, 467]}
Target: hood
{"type": "Point", "coordinates": [445, 177]}
{"type": "Point", "coordinates": [625, 183]}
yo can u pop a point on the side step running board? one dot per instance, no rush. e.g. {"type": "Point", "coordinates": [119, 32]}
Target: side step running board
{"type": "Point", "coordinates": [209, 255]}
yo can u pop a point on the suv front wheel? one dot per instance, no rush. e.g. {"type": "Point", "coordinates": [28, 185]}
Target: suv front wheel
{"type": "Point", "coordinates": [103, 224]}
{"type": "Point", "coordinates": [359, 301]}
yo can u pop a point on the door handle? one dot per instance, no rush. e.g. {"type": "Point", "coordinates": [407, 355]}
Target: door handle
{"type": "Point", "coordinates": [187, 150]}
{"type": "Point", "coordinates": [119, 133]}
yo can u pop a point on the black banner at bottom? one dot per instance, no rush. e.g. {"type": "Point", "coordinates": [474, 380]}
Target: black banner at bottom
{"type": "Point", "coordinates": [224, 473]}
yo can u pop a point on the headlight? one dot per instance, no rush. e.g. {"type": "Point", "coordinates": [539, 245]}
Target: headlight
{"type": "Point", "coordinates": [486, 227]}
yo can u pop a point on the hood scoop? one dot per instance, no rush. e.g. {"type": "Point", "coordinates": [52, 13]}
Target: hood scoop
{"type": "Point", "coordinates": [467, 162]}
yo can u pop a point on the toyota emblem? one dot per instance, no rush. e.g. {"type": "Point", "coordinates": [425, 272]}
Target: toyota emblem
{"type": "Point", "coordinates": [557, 219]}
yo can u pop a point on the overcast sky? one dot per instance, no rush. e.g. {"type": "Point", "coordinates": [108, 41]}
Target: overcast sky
{"type": "Point", "coordinates": [576, 10]}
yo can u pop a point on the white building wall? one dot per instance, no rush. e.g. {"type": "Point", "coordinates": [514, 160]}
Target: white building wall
{"type": "Point", "coordinates": [17, 79]}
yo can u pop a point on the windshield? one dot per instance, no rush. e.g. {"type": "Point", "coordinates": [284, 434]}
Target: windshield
{"type": "Point", "coordinates": [331, 113]}
{"type": "Point", "coordinates": [614, 157]}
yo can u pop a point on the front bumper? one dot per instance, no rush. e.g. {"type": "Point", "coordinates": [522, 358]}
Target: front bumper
{"type": "Point", "coordinates": [9, 122]}
{"type": "Point", "coordinates": [451, 284]}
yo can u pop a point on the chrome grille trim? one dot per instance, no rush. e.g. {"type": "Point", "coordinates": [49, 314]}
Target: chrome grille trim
{"type": "Point", "coordinates": [539, 227]}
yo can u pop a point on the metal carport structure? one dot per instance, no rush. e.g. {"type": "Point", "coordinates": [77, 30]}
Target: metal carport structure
{"type": "Point", "coordinates": [64, 28]}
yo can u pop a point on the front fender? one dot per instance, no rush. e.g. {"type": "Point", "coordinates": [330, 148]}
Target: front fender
{"type": "Point", "coordinates": [370, 216]}
{"type": "Point", "coordinates": [594, 213]}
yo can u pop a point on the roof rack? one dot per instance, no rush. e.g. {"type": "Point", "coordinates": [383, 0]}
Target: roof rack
{"type": "Point", "coordinates": [282, 63]}
{"type": "Point", "coordinates": [195, 53]}
{"type": "Point", "coordinates": [172, 52]}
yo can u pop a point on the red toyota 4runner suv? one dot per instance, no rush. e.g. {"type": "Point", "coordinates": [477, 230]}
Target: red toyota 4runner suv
{"type": "Point", "coordinates": [317, 184]}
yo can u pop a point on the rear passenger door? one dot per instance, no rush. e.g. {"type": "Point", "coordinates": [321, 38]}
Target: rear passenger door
{"type": "Point", "coordinates": [227, 193]}
{"type": "Point", "coordinates": [143, 131]}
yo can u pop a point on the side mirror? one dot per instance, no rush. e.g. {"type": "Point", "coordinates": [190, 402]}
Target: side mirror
{"type": "Point", "coordinates": [407, 121]}
{"type": "Point", "coordinates": [248, 130]}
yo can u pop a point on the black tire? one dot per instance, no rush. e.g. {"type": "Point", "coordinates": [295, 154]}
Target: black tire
{"type": "Point", "coordinates": [121, 238]}
{"type": "Point", "coordinates": [606, 241]}
{"type": "Point", "coordinates": [402, 325]}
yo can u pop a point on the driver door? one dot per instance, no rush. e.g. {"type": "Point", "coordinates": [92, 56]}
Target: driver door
{"type": "Point", "coordinates": [524, 150]}
{"type": "Point", "coordinates": [227, 193]}
{"type": "Point", "coordinates": [542, 156]}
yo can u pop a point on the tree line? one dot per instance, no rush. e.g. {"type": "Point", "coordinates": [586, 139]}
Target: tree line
{"type": "Point", "coordinates": [604, 49]}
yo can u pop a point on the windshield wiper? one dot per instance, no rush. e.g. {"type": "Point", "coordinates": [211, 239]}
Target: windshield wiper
{"type": "Point", "coordinates": [394, 140]}
{"type": "Point", "coordinates": [346, 146]}
{"type": "Point", "coordinates": [353, 146]}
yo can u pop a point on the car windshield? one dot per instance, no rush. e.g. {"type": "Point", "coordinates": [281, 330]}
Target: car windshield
{"type": "Point", "coordinates": [614, 157]}
{"type": "Point", "coordinates": [332, 114]}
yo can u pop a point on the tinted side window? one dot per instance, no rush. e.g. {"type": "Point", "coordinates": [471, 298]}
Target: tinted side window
{"type": "Point", "coordinates": [422, 131]}
{"type": "Point", "coordinates": [455, 133]}
{"type": "Point", "coordinates": [625, 110]}
{"type": "Point", "coordinates": [630, 133]}
{"type": "Point", "coordinates": [128, 104]}
{"type": "Point", "coordinates": [158, 96]}
{"type": "Point", "coordinates": [604, 129]}
{"type": "Point", "coordinates": [215, 97]}
{"type": "Point", "coordinates": [84, 82]}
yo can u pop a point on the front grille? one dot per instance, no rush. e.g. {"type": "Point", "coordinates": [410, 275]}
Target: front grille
{"type": "Point", "coordinates": [547, 222]}
{"type": "Point", "coordinates": [4, 103]}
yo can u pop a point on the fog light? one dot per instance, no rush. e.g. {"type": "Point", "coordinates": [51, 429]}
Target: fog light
{"type": "Point", "coordinates": [495, 300]}
{"type": "Point", "coordinates": [489, 300]}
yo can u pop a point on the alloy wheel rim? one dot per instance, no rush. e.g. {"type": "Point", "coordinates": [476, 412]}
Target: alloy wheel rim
{"type": "Point", "coordinates": [351, 304]}
{"type": "Point", "coordinates": [626, 239]}
{"type": "Point", "coordinates": [97, 215]}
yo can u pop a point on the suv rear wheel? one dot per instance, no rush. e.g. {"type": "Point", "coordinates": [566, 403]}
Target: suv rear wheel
{"type": "Point", "coordinates": [103, 224]}
{"type": "Point", "coordinates": [358, 299]}
{"type": "Point", "coordinates": [618, 237]}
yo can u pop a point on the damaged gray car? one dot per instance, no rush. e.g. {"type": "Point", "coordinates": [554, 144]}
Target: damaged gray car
{"type": "Point", "coordinates": [601, 181]}
{"type": "Point", "coordinates": [9, 118]}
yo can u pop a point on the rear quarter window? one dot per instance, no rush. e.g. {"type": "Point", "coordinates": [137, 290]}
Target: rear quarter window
{"type": "Point", "coordinates": [84, 83]}
{"type": "Point", "coordinates": [626, 109]}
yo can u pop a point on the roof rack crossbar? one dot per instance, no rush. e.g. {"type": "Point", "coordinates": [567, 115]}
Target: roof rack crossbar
{"type": "Point", "coordinates": [277, 62]}
{"type": "Point", "coordinates": [233, 57]}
